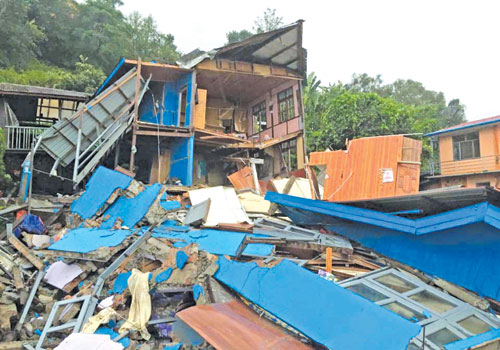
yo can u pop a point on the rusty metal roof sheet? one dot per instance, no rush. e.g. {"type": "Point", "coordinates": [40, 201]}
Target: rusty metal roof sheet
{"type": "Point", "coordinates": [232, 325]}
{"type": "Point", "coordinates": [39, 91]}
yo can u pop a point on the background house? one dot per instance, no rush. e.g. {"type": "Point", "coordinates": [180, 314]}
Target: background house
{"type": "Point", "coordinates": [468, 154]}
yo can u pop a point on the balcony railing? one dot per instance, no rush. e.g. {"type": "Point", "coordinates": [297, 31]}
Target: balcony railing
{"type": "Point", "coordinates": [468, 166]}
{"type": "Point", "coordinates": [20, 138]}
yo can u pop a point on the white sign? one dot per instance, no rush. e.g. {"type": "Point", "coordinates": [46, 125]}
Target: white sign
{"type": "Point", "coordinates": [387, 175]}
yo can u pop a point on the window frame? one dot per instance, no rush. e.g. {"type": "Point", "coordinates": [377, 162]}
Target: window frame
{"type": "Point", "coordinates": [259, 125]}
{"type": "Point", "coordinates": [437, 321]}
{"type": "Point", "coordinates": [286, 105]}
{"type": "Point", "coordinates": [476, 153]}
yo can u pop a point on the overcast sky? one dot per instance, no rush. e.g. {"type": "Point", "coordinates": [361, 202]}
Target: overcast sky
{"type": "Point", "coordinates": [449, 46]}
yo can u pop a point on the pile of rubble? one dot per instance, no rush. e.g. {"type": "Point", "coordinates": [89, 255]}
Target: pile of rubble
{"type": "Point", "coordinates": [124, 265]}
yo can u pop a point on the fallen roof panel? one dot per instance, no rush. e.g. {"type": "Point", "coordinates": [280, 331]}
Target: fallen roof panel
{"type": "Point", "coordinates": [39, 91]}
{"type": "Point", "coordinates": [320, 309]}
{"type": "Point", "coordinates": [460, 246]}
{"type": "Point", "coordinates": [232, 325]}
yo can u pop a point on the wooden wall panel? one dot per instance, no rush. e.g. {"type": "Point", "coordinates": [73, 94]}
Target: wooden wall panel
{"type": "Point", "coordinates": [200, 109]}
{"type": "Point", "coordinates": [358, 172]}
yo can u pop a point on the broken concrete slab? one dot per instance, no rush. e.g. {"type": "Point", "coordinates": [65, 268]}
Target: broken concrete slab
{"type": "Point", "coordinates": [85, 240]}
{"type": "Point", "coordinates": [100, 187]}
{"type": "Point", "coordinates": [131, 210]}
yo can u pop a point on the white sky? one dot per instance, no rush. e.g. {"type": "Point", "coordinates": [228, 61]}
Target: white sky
{"type": "Point", "coordinates": [449, 46]}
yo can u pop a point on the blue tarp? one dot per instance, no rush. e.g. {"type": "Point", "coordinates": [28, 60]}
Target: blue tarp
{"type": "Point", "coordinates": [329, 314]}
{"type": "Point", "coordinates": [85, 240]}
{"type": "Point", "coordinates": [215, 241]}
{"type": "Point", "coordinates": [131, 210]}
{"type": "Point", "coordinates": [460, 246]}
{"type": "Point", "coordinates": [101, 185]}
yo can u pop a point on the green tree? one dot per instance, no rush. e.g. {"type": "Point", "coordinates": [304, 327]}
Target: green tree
{"type": "Point", "coordinates": [56, 18]}
{"type": "Point", "coordinates": [430, 104]}
{"type": "Point", "coordinates": [269, 21]}
{"type": "Point", "coordinates": [101, 33]}
{"type": "Point", "coordinates": [147, 42]}
{"type": "Point", "coordinates": [235, 36]}
{"type": "Point", "coordinates": [18, 36]}
{"type": "Point", "coordinates": [84, 77]}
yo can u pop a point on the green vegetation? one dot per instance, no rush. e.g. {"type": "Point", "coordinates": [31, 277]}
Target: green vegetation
{"type": "Point", "coordinates": [69, 45]}
{"type": "Point", "coordinates": [366, 107]}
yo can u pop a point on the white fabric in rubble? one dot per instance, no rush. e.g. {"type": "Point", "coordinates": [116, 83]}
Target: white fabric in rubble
{"type": "Point", "coordinates": [140, 309]}
{"type": "Point", "coordinates": [81, 341]}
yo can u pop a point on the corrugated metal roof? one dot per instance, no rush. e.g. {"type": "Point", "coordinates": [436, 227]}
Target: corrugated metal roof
{"type": "Point", "coordinates": [59, 141]}
{"type": "Point", "coordinates": [466, 125]}
{"type": "Point", "coordinates": [38, 91]}
{"type": "Point", "coordinates": [280, 47]}
{"type": "Point", "coordinates": [232, 325]}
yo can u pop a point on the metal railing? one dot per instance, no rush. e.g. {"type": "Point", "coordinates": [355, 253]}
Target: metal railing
{"type": "Point", "coordinates": [468, 166]}
{"type": "Point", "coordinates": [20, 138]}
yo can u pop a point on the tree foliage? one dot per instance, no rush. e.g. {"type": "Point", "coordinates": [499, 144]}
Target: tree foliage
{"type": "Point", "coordinates": [56, 33]}
{"type": "Point", "coordinates": [145, 41]}
{"type": "Point", "coordinates": [19, 37]}
{"type": "Point", "coordinates": [366, 107]}
{"type": "Point", "coordinates": [269, 21]}
{"type": "Point", "coordinates": [235, 36]}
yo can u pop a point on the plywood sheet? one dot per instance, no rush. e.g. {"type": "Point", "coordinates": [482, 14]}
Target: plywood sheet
{"type": "Point", "coordinates": [232, 325]}
{"type": "Point", "coordinates": [200, 109]}
{"type": "Point", "coordinates": [242, 179]}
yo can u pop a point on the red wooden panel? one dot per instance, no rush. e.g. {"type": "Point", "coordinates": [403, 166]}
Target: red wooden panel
{"type": "Point", "coordinates": [232, 325]}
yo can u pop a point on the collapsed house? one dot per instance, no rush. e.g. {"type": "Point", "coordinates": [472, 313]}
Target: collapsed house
{"type": "Point", "coordinates": [148, 256]}
{"type": "Point", "coordinates": [27, 112]}
{"type": "Point", "coordinates": [190, 123]}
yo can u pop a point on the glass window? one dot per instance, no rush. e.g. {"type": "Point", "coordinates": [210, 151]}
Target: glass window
{"type": "Point", "coordinates": [289, 154]}
{"type": "Point", "coordinates": [404, 311]}
{"type": "Point", "coordinates": [466, 146]}
{"type": "Point", "coordinates": [413, 347]}
{"type": "Point", "coordinates": [286, 109]}
{"type": "Point", "coordinates": [442, 337]}
{"type": "Point", "coordinates": [474, 325]}
{"type": "Point", "coordinates": [396, 283]}
{"type": "Point", "coordinates": [367, 292]}
{"type": "Point", "coordinates": [432, 301]}
{"type": "Point", "coordinates": [259, 117]}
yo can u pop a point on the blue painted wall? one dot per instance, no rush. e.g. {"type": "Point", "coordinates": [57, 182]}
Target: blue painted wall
{"type": "Point", "coordinates": [181, 159]}
{"type": "Point", "coordinates": [171, 90]}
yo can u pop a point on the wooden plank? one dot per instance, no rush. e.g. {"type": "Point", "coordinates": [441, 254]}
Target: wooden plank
{"type": "Point", "coordinates": [12, 345]}
{"type": "Point", "coordinates": [20, 247]}
{"type": "Point", "coordinates": [328, 266]}
{"type": "Point", "coordinates": [162, 133]}
{"type": "Point", "coordinates": [200, 109]}
{"type": "Point", "coordinates": [18, 280]}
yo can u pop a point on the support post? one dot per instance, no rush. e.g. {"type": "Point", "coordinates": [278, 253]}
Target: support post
{"type": "Point", "coordinates": [32, 160]}
{"type": "Point", "coordinates": [133, 148]}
